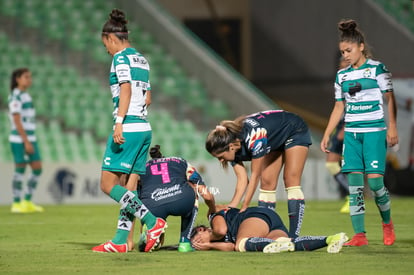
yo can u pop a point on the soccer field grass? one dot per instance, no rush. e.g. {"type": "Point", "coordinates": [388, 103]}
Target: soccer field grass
{"type": "Point", "coordinates": [59, 241]}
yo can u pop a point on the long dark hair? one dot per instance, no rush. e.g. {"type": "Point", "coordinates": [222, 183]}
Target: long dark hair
{"type": "Point", "coordinates": [220, 138]}
{"type": "Point", "coordinates": [15, 75]}
{"type": "Point", "coordinates": [349, 32]}
{"type": "Point", "coordinates": [155, 152]}
{"type": "Point", "coordinates": [116, 24]}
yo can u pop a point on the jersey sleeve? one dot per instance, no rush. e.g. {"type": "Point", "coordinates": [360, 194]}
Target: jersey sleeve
{"type": "Point", "coordinates": [383, 77]}
{"type": "Point", "coordinates": [339, 96]}
{"type": "Point", "coordinates": [122, 68]}
{"type": "Point", "coordinates": [15, 105]}
{"type": "Point", "coordinates": [257, 140]}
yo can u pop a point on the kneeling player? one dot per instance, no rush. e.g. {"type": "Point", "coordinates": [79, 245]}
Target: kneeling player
{"type": "Point", "coordinates": [170, 186]}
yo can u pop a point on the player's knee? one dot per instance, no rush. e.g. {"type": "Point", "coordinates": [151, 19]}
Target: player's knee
{"type": "Point", "coordinates": [241, 245]}
{"type": "Point", "coordinates": [333, 167]}
{"type": "Point", "coordinates": [295, 193]}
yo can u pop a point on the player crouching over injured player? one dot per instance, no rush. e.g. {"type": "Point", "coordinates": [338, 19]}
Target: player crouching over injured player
{"type": "Point", "coordinates": [257, 229]}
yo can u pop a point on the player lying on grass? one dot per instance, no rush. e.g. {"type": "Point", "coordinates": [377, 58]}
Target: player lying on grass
{"type": "Point", "coordinates": [257, 229]}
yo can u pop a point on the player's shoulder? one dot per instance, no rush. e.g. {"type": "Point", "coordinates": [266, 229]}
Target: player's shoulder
{"type": "Point", "coordinates": [373, 62]}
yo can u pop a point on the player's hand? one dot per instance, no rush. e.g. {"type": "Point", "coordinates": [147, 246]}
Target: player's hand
{"type": "Point", "coordinates": [28, 148]}
{"type": "Point", "coordinates": [117, 136]}
{"type": "Point", "coordinates": [199, 245]}
{"type": "Point", "coordinates": [324, 144]}
{"type": "Point", "coordinates": [392, 136]}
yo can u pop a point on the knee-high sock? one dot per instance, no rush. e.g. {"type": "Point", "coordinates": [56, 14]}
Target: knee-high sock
{"type": "Point", "coordinates": [32, 183]}
{"type": "Point", "coordinates": [267, 198]}
{"type": "Point", "coordinates": [382, 198]}
{"type": "Point", "coordinates": [356, 201]}
{"type": "Point", "coordinates": [17, 183]}
{"type": "Point", "coordinates": [125, 220]}
{"type": "Point", "coordinates": [254, 244]}
{"type": "Point", "coordinates": [133, 205]}
{"type": "Point", "coordinates": [308, 243]}
{"type": "Point", "coordinates": [187, 224]}
{"type": "Point", "coordinates": [296, 210]}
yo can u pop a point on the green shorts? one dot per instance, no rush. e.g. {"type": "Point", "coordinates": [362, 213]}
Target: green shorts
{"type": "Point", "coordinates": [20, 156]}
{"type": "Point", "coordinates": [129, 157]}
{"type": "Point", "coordinates": [364, 152]}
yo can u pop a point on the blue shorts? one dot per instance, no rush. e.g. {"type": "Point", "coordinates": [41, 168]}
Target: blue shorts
{"type": "Point", "coordinates": [20, 156]}
{"type": "Point", "coordinates": [166, 204]}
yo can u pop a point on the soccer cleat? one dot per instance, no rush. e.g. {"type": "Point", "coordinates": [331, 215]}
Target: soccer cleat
{"type": "Point", "coordinates": [388, 233]}
{"type": "Point", "coordinates": [358, 239]}
{"type": "Point", "coordinates": [345, 208]}
{"type": "Point", "coordinates": [153, 234]}
{"type": "Point", "coordinates": [17, 208]}
{"type": "Point", "coordinates": [282, 244]}
{"type": "Point", "coordinates": [336, 242]}
{"type": "Point", "coordinates": [185, 247]}
{"type": "Point", "coordinates": [110, 247]}
{"type": "Point", "coordinates": [30, 207]}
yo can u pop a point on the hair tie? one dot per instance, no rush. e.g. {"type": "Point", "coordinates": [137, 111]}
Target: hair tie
{"type": "Point", "coordinates": [221, 128]}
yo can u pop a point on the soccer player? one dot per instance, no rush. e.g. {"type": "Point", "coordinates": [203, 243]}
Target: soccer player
{"type": "Point", "coordinates": [269, 139]}
{"type": "Point", "coordinates": [170, 187]}
{"type": "Point", "coordinates": [127, 146]}
{"type": "Point", "coordinates": [257, 229]}
{"type": "Point", "coordinates": [23, 141]}
{"type": "Point", "coordinates": [359, 91]}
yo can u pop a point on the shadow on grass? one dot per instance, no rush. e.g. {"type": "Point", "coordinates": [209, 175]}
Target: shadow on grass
{"type": "Point", "coordinates": [91, 245]}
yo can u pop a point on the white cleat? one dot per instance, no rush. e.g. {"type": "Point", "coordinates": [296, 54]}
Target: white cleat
{"type": "Point", "coordinates": [280, 245]}
{"type": "Point", "coordinates": [336, 243]}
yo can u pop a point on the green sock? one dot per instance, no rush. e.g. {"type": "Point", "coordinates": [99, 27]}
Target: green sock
{"type": "Point", "coordinates": [133, 205]}
{"type": "Point", "coordinates": [125, 220]}
{"type": "Point", "coordinates": [32, 183]}
{"type": "Point", "coordinates": [356, 201]}
{"type": "Point", "coordinates": [17, 183]}
{"type": "Point", "coordinates": [149, 219]}
{"type": "Point", "coordinates": [382, 198]}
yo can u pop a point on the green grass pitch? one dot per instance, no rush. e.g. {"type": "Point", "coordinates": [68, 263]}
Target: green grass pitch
{"type": "Point", "coordinates": [59, 241]}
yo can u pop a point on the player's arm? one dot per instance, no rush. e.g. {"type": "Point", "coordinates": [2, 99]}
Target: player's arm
{"type": "Point", "coordinates": [392, 133]}
{"type": "Point", "coordinates": [241, 185]}
{"type": "Point", "coordinates": [219, 227]}
{"type": "Point", "coordinates": [19, 128]}
{"type": "Point", "coordinates": [221, 246]}
{"type": "Point", "coordinates": [148, 98]}
{"type": "Point", "coordinates": [124, 99]}
{"type": "Point", "coordinates": [334, 119]}
{"type": "Point", "coordinates": [256, 171]}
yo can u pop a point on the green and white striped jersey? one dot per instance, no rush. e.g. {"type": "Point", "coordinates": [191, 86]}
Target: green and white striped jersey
{"type": "Point", "coordinates": [21, 103]}
{"type": "Point", "coordinates": [362, 89]}
{"type": "Point", "coordinates": [130, 66]}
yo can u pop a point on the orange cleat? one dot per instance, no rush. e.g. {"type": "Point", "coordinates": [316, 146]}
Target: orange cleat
{"type": "Point", "coordinates": [110, 247]}
{"type": "Point", "coordinates": [153, 234]}
{"type": "Point", "coordinates": [358, 239]}
{"type": "Point", "coordinates": [388, 233]}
